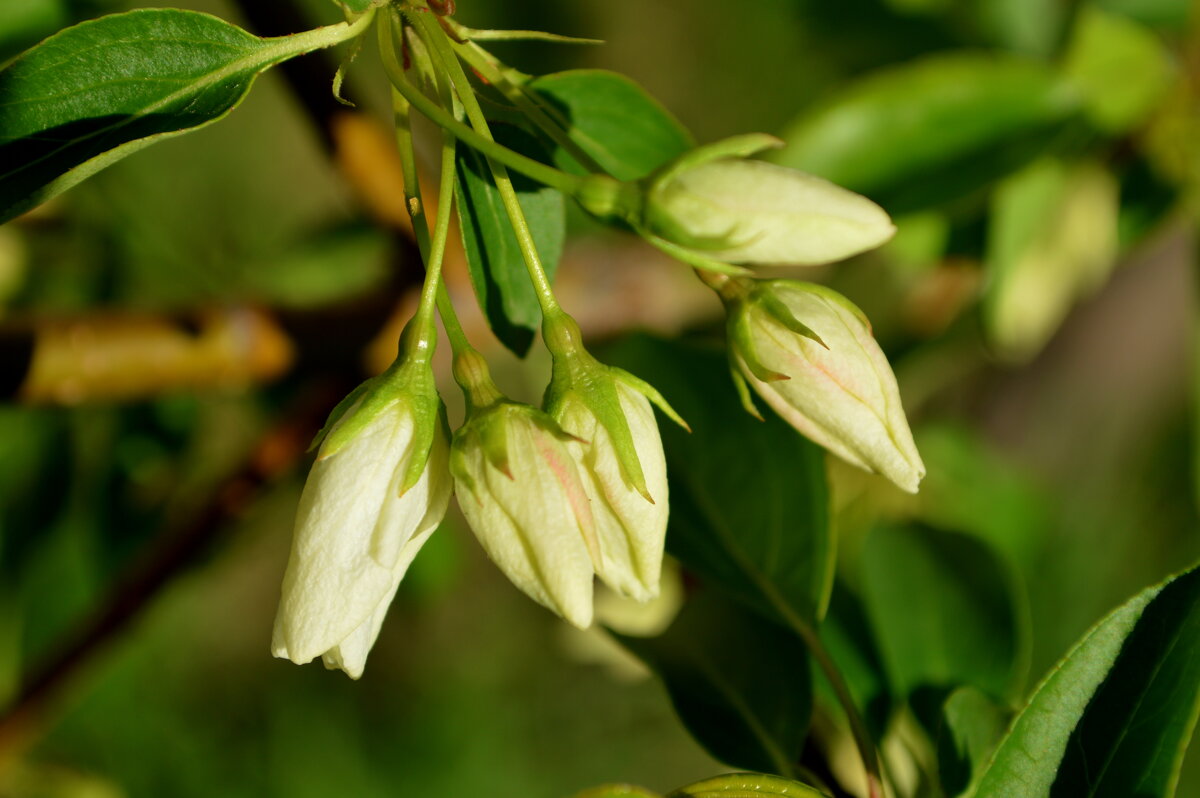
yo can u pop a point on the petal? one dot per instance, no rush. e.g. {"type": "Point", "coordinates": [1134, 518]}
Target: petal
{"type": "Point", "coordinates": [332, 584]}
{"type": "Point", "coordinates": [845, 396]}
{"type": "Point", "coordinates": [775, 214]}
{"type": "Point", "coordinates": [530, 524]}
{"type": "Point", "coordinates": [631, 530]}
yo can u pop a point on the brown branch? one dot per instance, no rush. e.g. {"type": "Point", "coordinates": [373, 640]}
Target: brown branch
{"type": "Point", "coordinates": [275, 454]}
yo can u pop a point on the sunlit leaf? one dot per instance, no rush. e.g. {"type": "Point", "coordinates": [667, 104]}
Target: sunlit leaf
{"type": "Point", "coordinates": [92, 94]}
{"type": "Point", "coordinates": [925, 131]}
{"type": "Point", "coordinates": [739, 682]}
{"type": "Point", "coordinates": [498, 270]}
{"type": "Point", "coordinates": [1114, 717]}
{"type": "Point", "coordinates": [614, 120]}
{"type": "Point", "coordinates": [972, 725]}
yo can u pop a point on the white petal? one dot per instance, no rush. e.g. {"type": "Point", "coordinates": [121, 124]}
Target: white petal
{"type": "Point", "coordinates": [631, 530]}
{"type": "Point", "coordinates": [843, 397]}
{"type": "Point", "coordinates": [530, 524]}
{"type": "Point", "coordinates": [774, 214]}
{"type": "Point", "coordinates": [336, 582]}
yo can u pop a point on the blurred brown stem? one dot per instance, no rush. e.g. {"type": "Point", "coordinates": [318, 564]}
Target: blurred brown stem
{"type": "Point", "coordinates": [274, 454]}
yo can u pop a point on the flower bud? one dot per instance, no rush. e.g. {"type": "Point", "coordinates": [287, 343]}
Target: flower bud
{"type": "Point", "coordinates": [631, 517]}
{"type": "Point", "coordinates": [616, 445]}
{"type": "Point", "coordinates": [376, 493]}
{"type": "Point", "coordinates": [810, 354]}
{"type": "Point", "coordinates": [746, 211]}
{"type": "Point", "coordinates": [522, 494]}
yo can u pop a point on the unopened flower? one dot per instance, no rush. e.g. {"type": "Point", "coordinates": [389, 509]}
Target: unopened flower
{"type": "Point", "coordinates": [524, 497]}
{"type": "Point", "coordinates": [617, 446]}
{"type": "Point", "coordinates": [810, 354]}
{"type": "Point", "coordinates": [744, 211]}
{"type": "Point", "coordinates": [376, 493]}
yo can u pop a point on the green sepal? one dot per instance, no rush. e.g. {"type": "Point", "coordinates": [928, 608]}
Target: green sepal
{"type": "Point", "coordinates": [651, 393]}
{"type": "Point", "coordinates": [579, 376]}
{"type": "Point", "coordinates": [742, 337]}
{"type": "Point", "coordinates": [826, 293]}
{"type": "Point", "coordinates": [338, 411]}
{"type": "Point", "coordinates": [742, 146]}
{"type": "Point", "coordinates": [742, 388]}
{"type": "Point", "coordinates": [407, 380]}
{"type": "Point", "coordinates": [492, 426]}
{"type": "Point", "coordinates": [774, 306]}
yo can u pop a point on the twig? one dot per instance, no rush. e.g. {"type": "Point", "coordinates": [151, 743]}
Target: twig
{"type": "Point", "coordinates": [275, 454]}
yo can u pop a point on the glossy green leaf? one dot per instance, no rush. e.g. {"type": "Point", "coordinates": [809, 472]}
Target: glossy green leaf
{"type": "Point", "coordinates": [1113, 718]}
{"type": "Point", "coordinates": [1121, 68]}
{"type": "Point", "coordinates": [972, 725]}
{"type": "Point", "coordinates": [748, 498]}
{"type": "Point", "coordinates": [746, 785]}
{"type": "Point", "coordinates": [614, 120]}
{"type": "Point", "coordinates": [740, 683]}
{"type": "Point", "coordinates": [942, 608]}
{"type": "Point", "coordinates": [921, 132]}
{"type": "Point", "coordinates": [498, 271]}
{"type": "Point", "coordinates": [104, 89]}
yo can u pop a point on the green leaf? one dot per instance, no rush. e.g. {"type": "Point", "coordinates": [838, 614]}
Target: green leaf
{"type": "Point", "coordinates": [922, 132]}
{"type": "Point", "coordinates": [1031, 27]}
{"type": "Point", "coordinates": [740, 683]}
{"type": "Point", "coordinates": [614, 120]}
{"type": "Point", "coordinates": [497, 268]}
{"type": "Point", "coordinates": [1120, 67]}
{"type": "Point", "coordinates": [972, 724]}
{"type": "Point", "coordinates": [1114, 717]}
{"type": "Point", "coordinates": [746, 785]}
{"type": "Point", "coordinates": [749, 504]}
{"type": "Point", "coordinates": [92, 94]}
{"type": "Point", "coordinates": [943, 611]}
{"type": "Point", "coordinates": [1052, 239]}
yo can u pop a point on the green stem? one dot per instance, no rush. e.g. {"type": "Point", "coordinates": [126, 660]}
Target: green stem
{"type": "Point", "coordinates": [435, 38]}
{"type": "Point", "coordinates": [432, 251]}
{"type": "Point", "coordinates": [536, 170]}
{"type": "Point", "coordinates": [858, 729]}
{"type": "Point", "coordinates": [547, 120]}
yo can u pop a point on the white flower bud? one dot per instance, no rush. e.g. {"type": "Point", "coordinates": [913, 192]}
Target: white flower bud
{"type": "Point", "coordinates": [631, 526]}
{"type": "Point", "coordinates": [357, 531]}
{"type": "Point", "coordinates": [523, 496]}
{"type": "Point", "coordinates": [745, 211]}
{"type": "Point", "coordinates": [842, 394]}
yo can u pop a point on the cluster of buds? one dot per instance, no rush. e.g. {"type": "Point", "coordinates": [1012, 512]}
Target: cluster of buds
{"type": "Point", "coordinates": [555, 497]}
{"type": "Point", "coordinates": [806, 350]}
{"type": "Point", "coordinates": [577, 490]}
